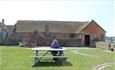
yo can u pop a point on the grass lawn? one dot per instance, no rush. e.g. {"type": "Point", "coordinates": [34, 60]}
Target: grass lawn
{"type": "Point", "coordinates": [17, 58]}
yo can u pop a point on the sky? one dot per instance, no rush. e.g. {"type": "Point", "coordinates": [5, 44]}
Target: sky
{"type": "Point", "coordinates": [102, 11]}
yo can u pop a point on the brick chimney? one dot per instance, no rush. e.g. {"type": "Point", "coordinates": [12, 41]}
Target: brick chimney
{"type": "Point", "coordinates": [2, 21]}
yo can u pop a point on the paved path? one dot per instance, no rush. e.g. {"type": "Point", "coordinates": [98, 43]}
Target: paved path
{"type": "Point", "coordinates": [83, 54]}
{"type": "Point", "coordinates": [102, 66]}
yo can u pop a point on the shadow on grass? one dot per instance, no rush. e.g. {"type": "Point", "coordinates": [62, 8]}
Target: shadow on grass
{"type": "Point", "coordinates": [47, 64]}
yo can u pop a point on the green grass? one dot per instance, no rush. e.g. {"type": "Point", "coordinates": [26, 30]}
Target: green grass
{"type": "Point", "coordinates": [16, 58]}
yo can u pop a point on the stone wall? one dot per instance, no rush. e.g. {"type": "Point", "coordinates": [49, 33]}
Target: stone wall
{"type": "Point", "coordinates": [105, 45]}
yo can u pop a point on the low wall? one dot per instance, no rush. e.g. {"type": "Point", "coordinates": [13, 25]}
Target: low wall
{"type": "Point", "coordinates": [105, 45]}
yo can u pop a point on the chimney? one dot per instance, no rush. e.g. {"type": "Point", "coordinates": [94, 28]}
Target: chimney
{"type": "Point", "coordinates": [2, 21]}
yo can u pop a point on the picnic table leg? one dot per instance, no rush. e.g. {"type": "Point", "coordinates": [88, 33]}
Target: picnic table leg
{"type": "Point", "coordinates": [36, 59]}
{"type": "Point", "coordinates": [58, 60]}
{"type": "Point", "coordinates": [43, 55]}
{"type": "Point", "coordinates": [61, 60]}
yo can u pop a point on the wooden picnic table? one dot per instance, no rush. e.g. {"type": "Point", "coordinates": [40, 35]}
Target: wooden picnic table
{"type": "Point", "coordinates": [57, 54]}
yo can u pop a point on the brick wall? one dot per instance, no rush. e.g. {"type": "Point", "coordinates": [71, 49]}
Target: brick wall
{"type": "Point", "coordinates": [94, 29]}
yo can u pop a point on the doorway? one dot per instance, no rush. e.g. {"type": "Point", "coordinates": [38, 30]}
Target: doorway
{"type": "Point", "coordinates": [87, 40]}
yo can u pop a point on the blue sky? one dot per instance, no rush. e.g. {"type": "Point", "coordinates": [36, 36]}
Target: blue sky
{"type": "Point", "coordinates": [102, 11]}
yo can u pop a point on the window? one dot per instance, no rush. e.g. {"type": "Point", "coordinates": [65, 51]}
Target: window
{"type": "Point", "coordinates": [93, 37]}
{"type": "Point", "coordinates": [20, 35]}
{"type": "Point", "coordinates": [1, 35]}
{"type": "Point", "coordinates": [102, 37]}
{"type": "Point", "coordinates": [53, 34]}
{"type": "Point", "coordinates": [72, 35]}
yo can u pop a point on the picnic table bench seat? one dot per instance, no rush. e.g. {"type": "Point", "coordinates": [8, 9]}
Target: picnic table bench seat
{"type": "Point", "coordinates": [58, 59]}
{"type": "Point", "coordinates": [49, 56]}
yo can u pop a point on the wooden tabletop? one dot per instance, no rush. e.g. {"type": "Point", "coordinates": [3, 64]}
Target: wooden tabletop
{"type": "Point", "coordinates": [48, 49]}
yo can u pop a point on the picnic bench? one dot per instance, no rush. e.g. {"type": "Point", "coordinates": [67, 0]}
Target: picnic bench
{"type": "Point", "coordinates": [56, 54]}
